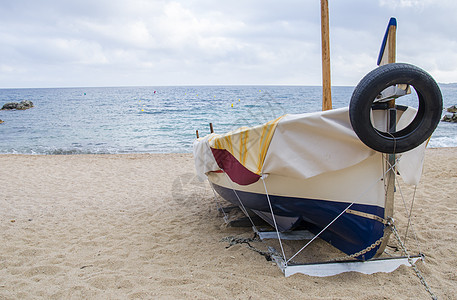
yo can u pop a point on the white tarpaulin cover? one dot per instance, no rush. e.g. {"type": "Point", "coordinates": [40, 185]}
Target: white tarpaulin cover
{"type": "Point", "coordinates": [302, 146]}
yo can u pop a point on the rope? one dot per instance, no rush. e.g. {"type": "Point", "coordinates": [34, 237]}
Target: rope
{"type": "Point", "coordinates": [317, 235]}
{"type": "Point", "coordinates": [409, 216]}
{"type": "Point", "coordinates": [239, 200]}
{"type": "Point", "coordinates": [274, 219]}
{"type": "Point", "coordinates": [387, 166]}
{"type": "Point", "coordinates": [218, 204]}
{"type": "Point", "coordinates": [413, 265]}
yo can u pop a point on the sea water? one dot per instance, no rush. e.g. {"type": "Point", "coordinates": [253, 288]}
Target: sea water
{"type": "Point", "coordinates": [158, 119]}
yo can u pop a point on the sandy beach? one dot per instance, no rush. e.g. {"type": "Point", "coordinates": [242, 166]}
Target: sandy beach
{"type": "Point", "coordinates": [140, 226]}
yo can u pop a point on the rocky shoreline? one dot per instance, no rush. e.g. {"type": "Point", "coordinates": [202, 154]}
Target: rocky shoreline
{"type": "Point", "coordinates": [23, 105]}
{"type": "Point", "coordinates": [451, 116]}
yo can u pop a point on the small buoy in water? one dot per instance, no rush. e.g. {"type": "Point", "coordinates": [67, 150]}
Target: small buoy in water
{"type": "Point", "coordinates": [239, 100]}
{"type": "Point", "coordinates": [84, 94]}
{"type": "Point", "coordinates": [232, 104]}
{"type": "Point", "coordinates": [142, 109]}
{"type": "Point", "coordinates": [154, 92]}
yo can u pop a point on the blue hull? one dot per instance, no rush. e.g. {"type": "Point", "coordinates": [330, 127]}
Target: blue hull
{"type": "Point", "coordinates": [349, 233]}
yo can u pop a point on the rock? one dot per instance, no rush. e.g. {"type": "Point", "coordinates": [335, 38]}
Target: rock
{"type": "Point", "coordinates": [24, 104]}
{"type": "Point", "coordinates": [10, 105]}
{"type": "Point", "coordinates": [450, 118]}
{"type": "Point", "coordinates": [452, 109]}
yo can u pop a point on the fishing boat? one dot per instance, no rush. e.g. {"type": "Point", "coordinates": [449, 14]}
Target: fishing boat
{"type": "Point", "coordinates": [334, 170]}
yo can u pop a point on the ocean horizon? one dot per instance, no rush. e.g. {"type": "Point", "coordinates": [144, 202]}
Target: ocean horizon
{"type": "Point", "coordinates": [162, 119]}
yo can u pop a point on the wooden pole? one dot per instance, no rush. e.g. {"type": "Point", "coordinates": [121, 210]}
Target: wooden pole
{"type": "Point", "coordinates": [392, 120]}
{"type": "Point", "coordinates": [196, 131]}
{"type": "Point", "coordinates": [326, 82]}
{"type": "Point", "coordinates": [392, 42]}
{"type": "Point", "coordinates": [391, 127]}
{"type": "Point", "coordinates": [391, 58]}
{"type": "Point", "coordinates": [211, 127]}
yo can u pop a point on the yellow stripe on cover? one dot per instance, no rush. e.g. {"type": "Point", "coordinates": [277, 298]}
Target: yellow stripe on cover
{"type": "Point", "coordinates": [267, 134]}
{"type": "Point", "coordinates": [249, 145]}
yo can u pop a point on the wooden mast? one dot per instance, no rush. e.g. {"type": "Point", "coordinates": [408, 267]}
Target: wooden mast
{"type": "Point", "coordinates": [392, 42]}
{"type": "Point", "coordinates": [391, 127]}
{"type": "Point", "coordinates": [326, 83]}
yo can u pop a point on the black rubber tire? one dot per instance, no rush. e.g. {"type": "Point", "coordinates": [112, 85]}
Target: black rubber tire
{"type": "Point", "coordinates": [425, 121]}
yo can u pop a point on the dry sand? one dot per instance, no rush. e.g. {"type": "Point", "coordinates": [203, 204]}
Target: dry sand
{"type": "Point", "coordinates": [142, 227]}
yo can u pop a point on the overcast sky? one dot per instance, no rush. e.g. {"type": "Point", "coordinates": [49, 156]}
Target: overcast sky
{"type": "Point", "coordinates": [59, 43]}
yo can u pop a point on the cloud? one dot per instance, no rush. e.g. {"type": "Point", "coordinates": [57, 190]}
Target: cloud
{"type": "Point", "coordinates": [414, 4]}
{"type": "Point", "coordinates": [141, 42]}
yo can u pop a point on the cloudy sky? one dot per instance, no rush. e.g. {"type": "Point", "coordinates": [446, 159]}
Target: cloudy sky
{"type": "Point", "coordinates": [66, 43]}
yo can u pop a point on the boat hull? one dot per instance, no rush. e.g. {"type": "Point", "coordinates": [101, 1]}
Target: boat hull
{"type": "Point", "coordinates": [318, 201]}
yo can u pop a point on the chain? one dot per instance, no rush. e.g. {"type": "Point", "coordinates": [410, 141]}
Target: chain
{"type": "Point", "coordinates": [233, 240]}
{"type": "Point", "coordinates": [413, 265]}
{"type": "Point", "coordinates": [239, 240]}
{"type": "Point", "coordinates": [362, 252]}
